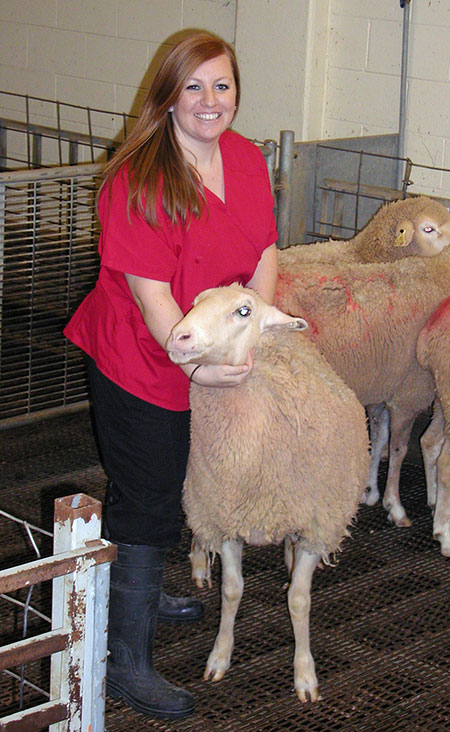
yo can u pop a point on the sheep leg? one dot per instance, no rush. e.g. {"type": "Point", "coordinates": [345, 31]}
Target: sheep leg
{"type": "Point", "coordinates": [289, 554]}
{"type": "Point", "coordinates": [232, 589]}
{"type": "Point", "coordinates": [401, 426]}
{"type": "Point", "coordinates": [200, 565]}
{"type": "Point", "coordinates": [441, 523]}
{"type": "Point", "coordinates": [299, 601]}
{"type": "Point", "coordinates": [431, 444]}
{"type": "Point", "coordinates": [379, 438]}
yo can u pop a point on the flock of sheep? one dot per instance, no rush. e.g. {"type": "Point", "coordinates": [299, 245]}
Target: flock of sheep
{"type": "Point", "coordinates": [285, 456]}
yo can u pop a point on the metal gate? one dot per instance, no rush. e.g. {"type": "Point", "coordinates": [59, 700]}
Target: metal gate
{"type": "Point", "coordinates": [79, 570]}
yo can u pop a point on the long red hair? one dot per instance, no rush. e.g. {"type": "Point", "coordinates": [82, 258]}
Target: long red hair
{"type": "Point", "coordinates": [151, 151]}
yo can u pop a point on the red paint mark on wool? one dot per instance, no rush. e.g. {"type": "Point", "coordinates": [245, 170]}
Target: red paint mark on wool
{"type": "Point", "coordinates": [440, 317]}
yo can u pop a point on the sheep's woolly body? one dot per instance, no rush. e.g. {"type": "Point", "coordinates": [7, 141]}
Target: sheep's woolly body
{"type": "Point", "coordinates": [433, 352]}
{"type": "Point", "coordinates": [365, 319]}
{"type": "Point", "coordinates": [374, 243]}
{"type": "Point", "coordinates": [284, 453]}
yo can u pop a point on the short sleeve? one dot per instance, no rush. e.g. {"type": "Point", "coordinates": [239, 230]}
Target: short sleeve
{"type": "Point", "coordinates": [128, 243]}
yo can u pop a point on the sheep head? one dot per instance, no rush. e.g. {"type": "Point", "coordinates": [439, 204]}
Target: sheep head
{"type": "Point", "coordinates": [224, 324]}
{"type": "Point", "coordinates": [426, 231]}
{"type": "Point", "coordinates": [417, 226]}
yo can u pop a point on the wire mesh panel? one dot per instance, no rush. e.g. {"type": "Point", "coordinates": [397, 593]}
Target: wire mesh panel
{"type": "Point", "coordinates": [48, 263]}
{"type": "Point", "coordinates": [37, 132]}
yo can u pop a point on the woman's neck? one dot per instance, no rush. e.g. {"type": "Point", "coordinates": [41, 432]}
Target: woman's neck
{"type": "Point", "coordinates": [208, 162]}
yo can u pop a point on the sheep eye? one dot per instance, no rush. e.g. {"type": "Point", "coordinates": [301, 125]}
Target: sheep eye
{"type": "Point", "coordinates": [428, 229]}
{"type": "Point", "coordinates": [244, 311]}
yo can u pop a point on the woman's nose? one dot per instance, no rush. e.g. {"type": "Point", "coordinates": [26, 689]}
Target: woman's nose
{"type": "Point", "coordinates": [209, 97]}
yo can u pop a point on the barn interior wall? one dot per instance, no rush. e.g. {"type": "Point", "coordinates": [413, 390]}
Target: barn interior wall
{"type": "Point", "coordinates": [324, 68]}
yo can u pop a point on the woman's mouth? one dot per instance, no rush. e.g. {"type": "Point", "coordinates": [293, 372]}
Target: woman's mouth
{"type": "Point", "coordinates": [207, 116]}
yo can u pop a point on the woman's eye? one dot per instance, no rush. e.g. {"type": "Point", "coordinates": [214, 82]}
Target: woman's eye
{"type": "Point", "coordinates": [243, 311]}
{"type": "Point", "coordinates": [193, 87]}
{"type": "Point", "coordinates": [222, 87]}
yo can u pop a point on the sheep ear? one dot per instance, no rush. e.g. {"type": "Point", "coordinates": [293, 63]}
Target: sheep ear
{"type": "Point", "coordinates": [404, 233]}
{"type": "Point", "coordinates": [274, 318]}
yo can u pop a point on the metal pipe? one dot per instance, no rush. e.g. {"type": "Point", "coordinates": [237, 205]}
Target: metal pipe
{"type": "Point", "coordinates": [284, 187]}
{"type": "Point", "coordinates": [403, 86]}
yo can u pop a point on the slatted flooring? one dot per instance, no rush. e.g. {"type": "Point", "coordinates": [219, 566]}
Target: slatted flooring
{"type": "Point", "coordinates": [380, 619]}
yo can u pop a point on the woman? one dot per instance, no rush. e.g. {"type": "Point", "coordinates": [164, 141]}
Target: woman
{"type": "Point", "coordinates": [185, 205]}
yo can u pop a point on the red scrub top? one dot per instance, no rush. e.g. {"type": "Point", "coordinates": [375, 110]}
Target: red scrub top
{"type": "Point", "coordinates": [223, 246]}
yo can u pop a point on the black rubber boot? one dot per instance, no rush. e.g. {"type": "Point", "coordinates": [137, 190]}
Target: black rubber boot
{"type": "Point", "coordinates": [179, 609]}
{"type": "Point", "coordinates": [136, 579]}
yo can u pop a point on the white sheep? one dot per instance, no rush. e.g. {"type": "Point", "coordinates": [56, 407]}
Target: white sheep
{"type": "Point", "coordinates": [417, 226]}
{"type": "Point", "coordinates": [285, 453]}
{"type": "Point", "coordinates": [365, 319]}
{"type": "Point", "coordinates": [433, 353]}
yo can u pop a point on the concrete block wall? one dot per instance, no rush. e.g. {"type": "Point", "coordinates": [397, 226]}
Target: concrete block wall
{"type": "Point", "coordinates": [324, 68]}
{"type": "Point", "coordinates": [363, 80]}
{"type": "Point", "coordinates": [96, 53]}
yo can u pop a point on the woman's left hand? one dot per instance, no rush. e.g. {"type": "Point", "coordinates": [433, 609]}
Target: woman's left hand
{"type": "Point", "coordinates": [222, 375]}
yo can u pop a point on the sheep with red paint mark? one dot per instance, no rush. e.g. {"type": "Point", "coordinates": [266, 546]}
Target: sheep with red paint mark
{"type": "Point", "coordinates": [371, 344]}
{"type": "Point", "coordinates": [433, 353]}
{"type": "Point", "coordinates": [269, 458]}
{"type": "Point", "coordinates": [415, 226]}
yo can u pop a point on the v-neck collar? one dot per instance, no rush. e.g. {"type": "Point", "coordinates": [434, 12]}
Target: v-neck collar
{"type": "Point", "coordinates": [225, 187]}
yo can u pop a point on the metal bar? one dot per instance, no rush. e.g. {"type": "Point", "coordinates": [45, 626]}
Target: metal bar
{"type": "Point", "coordinates": [77, 519]}
{"type": "Point", "coordinates": [403, 88]}
{"type": "Point", "coordinates": [73, 152]}
{"type": "Point", "coordinates": [37, 150]}
{"type": "Point", "coordinates": [30, 649]}
{"type": "Point", "coordinates": [284, 186]}
{"type": "Point", "coordinates": [90, 133]}
{"type": "Point", "coordinates": [363, 189]}
{"type": "Point", "coordinates": [62, 171]}
{"type": "Point", "coordinates": [35, 719]}
{"type": "Point", "coordinates": [41, 570]}
{"type": "Point", "coordinates": [27, 111]}
{"type": "Point", "coordinates": [3, 145]}
{"type": "Point", "coordinates": [43, 414]}
{"type": "Point", "coordinates": [269, 150]}
{"type": "Point", "coordinates": [99, 645]}
{"type": "Point", "coordinates": [58, 119]}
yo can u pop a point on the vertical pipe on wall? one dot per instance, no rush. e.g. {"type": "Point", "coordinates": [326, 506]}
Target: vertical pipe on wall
{"type": "Point", "coordinates": [284, 187]}
{"type": "Point", "coordinates": [403, 84]}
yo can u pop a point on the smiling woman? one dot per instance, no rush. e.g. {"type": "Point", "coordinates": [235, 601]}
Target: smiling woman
{"type": "Point", "coordinates": [203, 112]}
{"type": "Point", "coordinates": [185, 205]}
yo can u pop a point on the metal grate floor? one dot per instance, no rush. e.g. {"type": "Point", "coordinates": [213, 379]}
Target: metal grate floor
{"type": "Point", "coordinates": [380, 619]}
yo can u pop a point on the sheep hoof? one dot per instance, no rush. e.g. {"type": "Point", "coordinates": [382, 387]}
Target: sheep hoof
{"type": "Point", "coordinates": [371, 496]}
{"type": "Point", "coordinates": [212, 674]}
{"type": "Point", "coordinates": [401, 522]}
{"type": "Point", "coordinates": [308, 694]}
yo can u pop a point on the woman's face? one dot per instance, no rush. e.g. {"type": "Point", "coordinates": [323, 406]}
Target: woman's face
{"type": "Point", "coordinates": [206, 105]}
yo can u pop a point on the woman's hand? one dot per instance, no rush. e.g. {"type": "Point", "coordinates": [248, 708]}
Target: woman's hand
{"type": "Point", "coordinates": [222, 375]}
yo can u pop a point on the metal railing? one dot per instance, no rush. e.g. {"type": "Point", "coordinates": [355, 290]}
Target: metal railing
{"type": "Point", "coordinates": [77, 642]}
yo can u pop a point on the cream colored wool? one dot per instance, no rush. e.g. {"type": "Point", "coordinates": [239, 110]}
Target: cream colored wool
{"type": "Point", "coordinates": [433, 352]}
{"type": "Point", "coordinates": [377, 241]}
{"type": "Point", "coordinates": [284, 453]}
{"type": "Point", "coordinates": [365, 319]}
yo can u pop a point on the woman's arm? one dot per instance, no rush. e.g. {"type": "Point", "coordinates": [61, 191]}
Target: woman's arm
{"type": "Point", "coordinates": [265, 276]}
{"type": "Point", "coordinates": [161, 312]}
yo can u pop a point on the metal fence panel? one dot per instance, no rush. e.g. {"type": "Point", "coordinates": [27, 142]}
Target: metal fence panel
{"type": "Point", "coordinates": [48, 262]}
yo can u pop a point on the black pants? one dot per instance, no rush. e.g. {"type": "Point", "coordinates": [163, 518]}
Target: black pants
{"type": "Point", "coordinates": [144, 451]}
